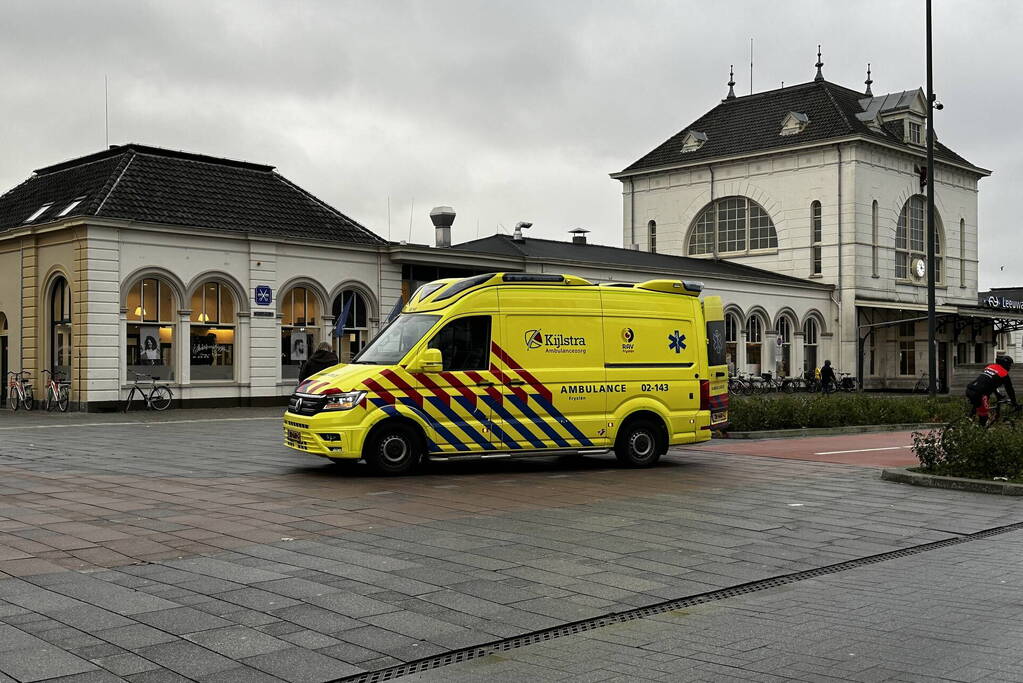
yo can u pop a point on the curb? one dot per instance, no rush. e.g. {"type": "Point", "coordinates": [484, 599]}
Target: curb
{"type": "Point", "coordinates": [829, 431]}
{"type": "Point", "coordinates": [904, 476]}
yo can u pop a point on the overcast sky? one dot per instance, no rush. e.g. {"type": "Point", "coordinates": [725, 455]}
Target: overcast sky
{"type": "Point", "coordinates": [506, 110]}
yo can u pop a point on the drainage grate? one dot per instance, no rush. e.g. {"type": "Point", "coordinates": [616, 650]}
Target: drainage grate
{"type": "Point", "coordinates": [525, 639]}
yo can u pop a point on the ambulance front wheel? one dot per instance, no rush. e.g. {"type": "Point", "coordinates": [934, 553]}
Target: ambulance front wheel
{"type": "Point", "coordinates": [639, 444]}
{"type": "Point", "coordinates": [392, 450]}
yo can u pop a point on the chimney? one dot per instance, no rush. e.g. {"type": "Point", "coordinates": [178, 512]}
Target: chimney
{"type": "Point", "coordinates": [578, 235]}
{"type": "Point", "coordinates": [442, 217]}
{"type": "Point", "coordinates": [519, 227]}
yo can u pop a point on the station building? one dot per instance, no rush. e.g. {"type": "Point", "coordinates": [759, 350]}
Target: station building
{"type": "Point", "coordinates": [802, 207]}
{"type": "Point", "coordinates": [824, 183]}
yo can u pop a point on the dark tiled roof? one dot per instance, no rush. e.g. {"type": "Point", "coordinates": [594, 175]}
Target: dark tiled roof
{"type": "Point", "coordinates": [153, 185]}
{"type": "Point", "coordinates": [599, 254]}
{"type": "Point", "coordinates": [752, 123]}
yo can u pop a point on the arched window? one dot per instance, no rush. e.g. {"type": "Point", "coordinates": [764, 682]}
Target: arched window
{"type": "Point", "coordinates": [910, 242]}
{"type": "Point", "coordinates": [874, 245]}
{"type": "Point", "coordinates": [816, 237]}
{"type": "Point", "coordinates": [300, 313]}
{"type": "Point", "coordinates": [784, 330]}
{"type": "Point", "coordinates": [651, 236]}
{"type": "Point", "coordinates": [962, 252]}
{"type": "Point", "coordinates": [754, 343]}
{"type": "Point", "coordinates": [355, 328]}
{"type": "Point", "coordinates": [731, 340]}
{"type": "Point", "coordinates": [811, 330]}
{"type": "Point", "coordinates": [150, 331]}
{"type": "Point", "coordinates": [737, 225]}
{"type": "Point", "coordinates": [212, 332]}
{"type": "Point", "coordinates": [60, 327]}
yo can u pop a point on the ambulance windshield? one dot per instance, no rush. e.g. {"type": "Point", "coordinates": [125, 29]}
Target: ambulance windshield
{"type": "Point", "coordinates": [395, 340]}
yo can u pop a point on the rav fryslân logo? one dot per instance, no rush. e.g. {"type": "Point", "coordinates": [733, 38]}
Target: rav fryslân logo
{"type": "Point", "coordinates": [628, 339]}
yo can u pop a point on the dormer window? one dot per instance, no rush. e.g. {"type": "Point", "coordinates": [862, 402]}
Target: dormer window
{"type": "Point", "coordinates": [914, 133]}
{"type": "Point", "coordinates": [793, 123]}
{"type": "Point", "coordinates": [693, 141]}
{"type": "Point", "coordinates": [39, 212]}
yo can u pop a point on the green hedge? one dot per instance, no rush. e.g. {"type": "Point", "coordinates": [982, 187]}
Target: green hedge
{"type": "Point", "coordinates": [782, 411]}
{"type": "Point", "coordinates": [965, 449]}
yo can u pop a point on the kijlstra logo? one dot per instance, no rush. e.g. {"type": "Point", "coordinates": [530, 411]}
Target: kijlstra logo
{"type": "Point", "coordinates": [554, 342]}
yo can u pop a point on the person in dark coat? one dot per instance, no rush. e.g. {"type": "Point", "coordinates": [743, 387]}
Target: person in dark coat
{"type": "Point", "coordinates": [323, 358]}
{"type": "Point", "coordinates": [828, 380]}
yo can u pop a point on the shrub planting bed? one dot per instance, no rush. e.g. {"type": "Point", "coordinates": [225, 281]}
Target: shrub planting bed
{"type": "Point", "coordinates": [965, 449]}
{"type": "Point", "coordinates": [759, 413]}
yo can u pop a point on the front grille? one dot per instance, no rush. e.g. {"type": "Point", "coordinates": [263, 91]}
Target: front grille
{"type": "Point", "coordinates": [306, 404]}
{"type": "Point", "coordinates": [300, 425]}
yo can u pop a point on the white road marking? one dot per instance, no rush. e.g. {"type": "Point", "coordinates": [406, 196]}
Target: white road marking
{"type": "Point", "coordinates": [146, 424]}
{"type": "Point", "coordinates": [863, 450]}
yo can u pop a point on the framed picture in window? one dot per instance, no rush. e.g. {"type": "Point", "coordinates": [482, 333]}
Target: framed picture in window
{"type": "Point", "coordinates": [149, 343]}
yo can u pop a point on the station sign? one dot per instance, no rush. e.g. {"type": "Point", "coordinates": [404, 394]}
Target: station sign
{"type": "Point", "coordinates": [1003, 303]}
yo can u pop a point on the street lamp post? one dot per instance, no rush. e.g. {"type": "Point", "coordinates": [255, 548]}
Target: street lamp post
{"type": "Point", "coordinates": [932, 355]}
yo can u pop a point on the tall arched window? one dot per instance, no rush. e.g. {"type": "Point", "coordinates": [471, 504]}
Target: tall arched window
{"type": "Point", "coordinates": [962, 252]}
{"type": "Point", "coordinates": [355, 332]}
{"type": "Point", "coordinates": [910, 242]}
{"type": "Point", "coordinates": [754, 342]}
{"type": "Point", "coordinates": [874, 245]}
{"type": "Point", "coordinates": [737, 225]}
{"type": "Point", "coordinates": [811, 330]}
{"type": "Point", "coordinates": [816, 237]}
{"type": "Point", "coordinates": [60, 327]}
{"type": "Point", "coordinates": [212, 335]}
{"type": "Point", "coordinates": [784, 330]}
{"type": "Point", "coordinates": [651, 236]}
{"type": "Point", "coordinates": [150, 331]}
{"type": "Point", "coordinates": [731, 340]}
{"type": "Point", "coordinates": [300, 313]}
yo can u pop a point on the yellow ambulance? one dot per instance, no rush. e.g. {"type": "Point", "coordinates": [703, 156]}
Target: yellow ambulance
{"type": "Point", "coordinates": [518, 364]}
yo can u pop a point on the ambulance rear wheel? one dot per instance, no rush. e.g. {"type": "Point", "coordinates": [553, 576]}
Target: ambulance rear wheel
{"type": "Point", "coordinates": [639, 444]}
{"type": "Point", "coordinates": [392, 450]}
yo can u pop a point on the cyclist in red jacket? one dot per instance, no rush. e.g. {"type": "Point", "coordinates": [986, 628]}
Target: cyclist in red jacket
{"type": "Point", "coordinates": [994, 376]}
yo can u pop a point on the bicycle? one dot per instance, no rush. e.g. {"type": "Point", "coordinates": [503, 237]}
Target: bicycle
{"type": "Point", "coordinates": [158, 397]}
{"type": "Point", "coordinates": [19, 391]}
{"type": "Point", "coordinates": [846, 383]}
{"type": "Point", "coordinates": [1004, 411]}
{"type": "Point", "coordinates": [922, 385]}
{"type": "Point", "coordinates": [58, 392]}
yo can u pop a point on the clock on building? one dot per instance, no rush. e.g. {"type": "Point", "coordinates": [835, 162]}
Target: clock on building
{"type": "Point", "coordinates": [919, 268]}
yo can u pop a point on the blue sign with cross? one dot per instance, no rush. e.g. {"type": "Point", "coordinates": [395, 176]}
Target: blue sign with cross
{"type": "Point", "coordinates": [264, 295]}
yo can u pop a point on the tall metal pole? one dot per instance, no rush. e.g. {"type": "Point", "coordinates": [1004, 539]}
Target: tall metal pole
{"type": "Point", "coordinates": [932, 355]}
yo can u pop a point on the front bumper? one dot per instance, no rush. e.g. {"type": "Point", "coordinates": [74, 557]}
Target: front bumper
{"type": "Point", "coordinates": [320, 435]}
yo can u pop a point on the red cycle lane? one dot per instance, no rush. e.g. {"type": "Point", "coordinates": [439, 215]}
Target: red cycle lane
{"type": "Point", "coordinates": [879, 449]}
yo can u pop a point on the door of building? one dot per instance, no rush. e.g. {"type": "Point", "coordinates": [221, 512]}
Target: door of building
{"type": "Point", "coordinates": [3, 370]}
{"type": "Point", "coordinates": [943, 367]}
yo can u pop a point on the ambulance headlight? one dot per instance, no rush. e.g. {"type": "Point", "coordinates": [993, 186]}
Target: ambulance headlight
{"type": "Point", "coordinates": [344, 400]}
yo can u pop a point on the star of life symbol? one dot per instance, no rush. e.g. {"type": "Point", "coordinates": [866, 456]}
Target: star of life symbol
{"type": "Point", "coordinates": [676, 342]}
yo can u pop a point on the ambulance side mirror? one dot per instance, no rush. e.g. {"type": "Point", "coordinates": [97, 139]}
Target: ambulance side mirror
{"type": "Point", "coordinates": [429, 360]}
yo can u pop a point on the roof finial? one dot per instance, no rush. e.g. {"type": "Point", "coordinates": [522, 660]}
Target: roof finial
{"type": "Point", "coordinates": [868, 81]}
{"type": "Point", "coordinates": [819, 64]}
{"type": "Point", "coordinates": [731, 82]}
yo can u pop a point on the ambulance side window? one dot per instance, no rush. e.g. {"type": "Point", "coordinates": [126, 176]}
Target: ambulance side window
{"type": "Point", "coordinates": [464, 343]}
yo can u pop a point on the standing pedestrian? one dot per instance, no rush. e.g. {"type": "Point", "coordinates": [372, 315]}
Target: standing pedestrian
{"type": "Point", "coordinates": [828, 379]}
{"type": "Point", "coordinates": [323, 358]}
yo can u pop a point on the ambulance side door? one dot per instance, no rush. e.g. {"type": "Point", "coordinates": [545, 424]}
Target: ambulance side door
{"type": "Point", "coordinates": [550, 367]}
{"type": "Point", "coordinates": [460, 418]}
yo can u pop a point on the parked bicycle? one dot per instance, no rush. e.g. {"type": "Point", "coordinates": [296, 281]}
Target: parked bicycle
{"type": "Point", "coordinates": [156, 396]}
{"type": "Point", "coordinates": [19, 391]}
{"type": "Point", "coordinates": [922, 385]}
{"type": "Point", "coordinates": [58, 392]}
{"type": "Point", "coordinates": [846, 382]}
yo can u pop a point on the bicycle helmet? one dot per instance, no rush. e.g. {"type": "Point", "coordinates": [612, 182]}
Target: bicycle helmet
{"type": "Point", "coordinates": [1005, 362]}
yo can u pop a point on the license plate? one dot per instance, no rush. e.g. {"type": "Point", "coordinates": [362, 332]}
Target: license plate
{"type": "Point", "coordinates": [721, 416]}
{"type": "Point", "coordinates": [294, 436]}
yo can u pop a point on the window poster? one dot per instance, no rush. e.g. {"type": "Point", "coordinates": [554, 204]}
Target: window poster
{"type": "Point", "coordinates": [299, 347]}
{"type": "Point", "coordinates": [149, 341]}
